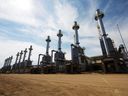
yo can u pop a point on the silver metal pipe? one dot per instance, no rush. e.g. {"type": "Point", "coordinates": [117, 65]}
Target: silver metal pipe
{"type": "Point", "coordinates": [52, 55]}
{"type": "Point", "coordinates": [7, 61]}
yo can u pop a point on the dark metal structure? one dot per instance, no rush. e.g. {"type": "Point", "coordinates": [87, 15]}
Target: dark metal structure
{"type": "Point", "coordinates": [46, 64]}
{"type": "Point", "coordinates": [7, 65]}
{"type": "Point", "coordinates": [112, 59]}
{"type": "Point", "coordinates": [24, 66]}
{"type": "Point", "coordinates": [59, 56]}
{"type": "Point", "coordinates": [19, 62]}
{"type": "Point", "coordinates": [78, 59]}
{"type": "Point", "coordinates": [15, 65]}
{"type": "Point", "coordinates": [28, 62]}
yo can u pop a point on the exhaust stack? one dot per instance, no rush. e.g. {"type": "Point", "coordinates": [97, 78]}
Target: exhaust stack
{"type": "Point", "coordinates": [30, 51]}
{"type": "Point", "coordinates": [98, 17]}
{"type": "Point", "coordinates": [76, 27]}
{"type": "Point", "coordinates": [48, 40]}
{"type": "Point", "coordinates": [59, 41]}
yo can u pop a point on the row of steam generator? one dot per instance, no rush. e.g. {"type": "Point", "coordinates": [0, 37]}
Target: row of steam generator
{"type": "Point", "coordinates": [113, 60]}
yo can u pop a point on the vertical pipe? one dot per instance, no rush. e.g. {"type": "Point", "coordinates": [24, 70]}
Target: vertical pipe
{"type": "Point", "coordinates": [20, 56]}
{"type": "Point", "coordinates": [76, 27]}
{"type": "Point", "coordinates": [47, 47]}
{"type": "Point", "coordinates": [52, 55]}
{"type": "Point", "coordinates": [98, 17]}
{"type": "Point", "coordinates": [122, 40]}
{"type": "Point", "coordinates": [17, 55]}
{"type": "Point", "coordinates": [39, 59]}
{"type": "Point", "coordinates": [74, 39]}
{"type": "Point", "coordinates": [101, 41]}
{"type": "Point", "coordinates": [10, 60]}
{"type": "Point", "coordinates": [98, 27]}
{"type": "Point", "coordinates": [7, 61]}
{"type": "Point", "coordinates": [59, 41]}
{"type": "Point", "coordinates": [19, 65]}
{"type": "Point", "coordinates": [72, 52]}
{"type": "Point", "coordinates": [30, 51]}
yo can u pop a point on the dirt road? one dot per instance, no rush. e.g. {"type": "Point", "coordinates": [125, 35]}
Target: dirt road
{"type": "Point", "coordinates": [64, 85]}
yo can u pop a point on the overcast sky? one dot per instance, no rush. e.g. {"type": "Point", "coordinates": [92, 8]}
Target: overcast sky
{"type": "Point", "coordinates": [29, 22]}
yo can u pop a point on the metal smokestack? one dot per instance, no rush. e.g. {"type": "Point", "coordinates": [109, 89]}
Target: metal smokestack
{"type": "Point", "coordinates": [25, 51]}
{"type": "Point", "coordinates": [125, 48]}
{"type": "Point", "coordinates": [59, 41]}
{"type": "Point", "coordinates": [20, 56]}
{"type": "Point", "coordinates": [30, 51]}
{"type": "Point", "coordinates": [98, 17]}
{"type": "Point", "coordinates": [47, 47]}
{"type": "Point", "coordinates": [10, 60]}
{"type": "Point", "coordinates": [76, 27]}
{"type": "Point", "coordinates": [7, 61]}
{"type": "Point", "coordinates": [17, 55]}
